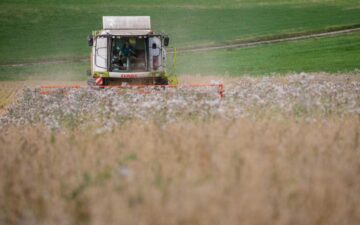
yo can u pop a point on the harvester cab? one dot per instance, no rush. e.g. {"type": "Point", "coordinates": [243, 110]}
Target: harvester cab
{"type": "Point", "coordinates": [127, 51]}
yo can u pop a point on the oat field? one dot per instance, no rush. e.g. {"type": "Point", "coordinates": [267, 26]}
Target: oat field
{"type": "Point", "coordinates": [279, 150]}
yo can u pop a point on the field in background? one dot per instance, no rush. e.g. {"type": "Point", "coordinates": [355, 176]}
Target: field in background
{"type": "Point", "coordinates": [47, 29]}
{"type": "Point", "coordinates": [54, 71]}
{"type": "Point", "coordinates": [330, 54]}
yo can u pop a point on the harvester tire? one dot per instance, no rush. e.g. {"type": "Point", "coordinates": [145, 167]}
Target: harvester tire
{"type": "Point", "coordinates": [162, 81]}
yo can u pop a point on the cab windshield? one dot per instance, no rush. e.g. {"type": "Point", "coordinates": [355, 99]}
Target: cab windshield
{"type": "Point", "coordinates": [128, 54]}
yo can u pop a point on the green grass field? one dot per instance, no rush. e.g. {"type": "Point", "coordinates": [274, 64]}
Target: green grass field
{"type": "Point", "coordinates": [33, 30]}
{"type": "Point", "coordinates": [332, 54]}
{"type": "Point", "coordinates": [48, 29]}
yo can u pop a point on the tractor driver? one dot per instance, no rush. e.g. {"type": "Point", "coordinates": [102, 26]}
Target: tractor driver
{"type": "Point", "coordinates": [118, 62]}
{"type": "Point", "coordinates": [128, 52]}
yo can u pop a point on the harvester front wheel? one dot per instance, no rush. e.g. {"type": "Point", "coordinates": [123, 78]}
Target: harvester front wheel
{"type": "Point", "coordinates": [162, 81]}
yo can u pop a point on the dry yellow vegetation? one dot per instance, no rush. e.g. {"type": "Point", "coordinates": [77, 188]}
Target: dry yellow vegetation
{"type": "Point", "coordinates": [8, 89]}
{"type": "Point", "coordinates": [220, 172]}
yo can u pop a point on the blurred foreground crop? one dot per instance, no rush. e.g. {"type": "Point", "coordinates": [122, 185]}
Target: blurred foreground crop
{"type": "Point", "coordinates": [222, 172]}
{"type": "Point", "coordinates": [276, 150]}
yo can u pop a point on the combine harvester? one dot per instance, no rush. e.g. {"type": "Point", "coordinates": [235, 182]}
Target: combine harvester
{"type": "Point", "coordinates": [128, 54]}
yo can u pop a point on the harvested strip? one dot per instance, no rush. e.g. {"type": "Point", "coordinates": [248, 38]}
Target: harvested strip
{"type": "Point", "coordinates": [303, 95]}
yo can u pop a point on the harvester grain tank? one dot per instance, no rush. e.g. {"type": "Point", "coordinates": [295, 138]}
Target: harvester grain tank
{"type": "Point", "coordinates": [127, 51]}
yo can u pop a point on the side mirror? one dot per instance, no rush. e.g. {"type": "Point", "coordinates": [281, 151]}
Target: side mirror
{"type": "Point", "coordinates": [166, 41]}
{"type": "Point", "coordinates": [90, 40]}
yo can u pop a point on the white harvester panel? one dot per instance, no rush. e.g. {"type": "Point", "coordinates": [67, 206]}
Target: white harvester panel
{"type": "Point", "coordinates": [100, 53]}
{"type": "Point", "coordinates": [156, 54]}
{"type": "Point", "coordinates": [126, 23]}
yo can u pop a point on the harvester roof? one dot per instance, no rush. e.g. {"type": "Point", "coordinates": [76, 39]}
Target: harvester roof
{"type": "Point", "coordinates": [126, 25]}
